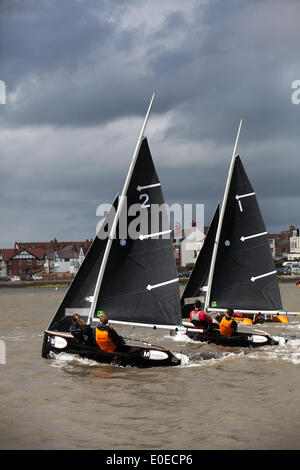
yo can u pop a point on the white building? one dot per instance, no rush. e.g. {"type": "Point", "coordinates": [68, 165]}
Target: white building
{"type": "Point", "coordinates": [66, 260]}
{"type": "Point", "coordinates": [272, 242]}
{"type": "Point", "coordinates": [190, 246]}
{"type": "Point", "coordinates": [69, 259]}
{"type": "Point", "coordinates": [294, 253]}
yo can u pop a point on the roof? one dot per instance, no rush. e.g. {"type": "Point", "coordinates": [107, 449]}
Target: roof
{"type": "Point", "coordinates": [53, 245]}
{"type": "Point", "coordinates": [71, 252]}
{"type": "Point", "coordinates": [9, 253]}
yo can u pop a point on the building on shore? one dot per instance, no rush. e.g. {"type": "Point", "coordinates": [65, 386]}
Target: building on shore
{"type": "Point", "coordinates": [28, 258]}
{"type": "Point", "coordinates": [283, 244]}
{"type": "Point", "coordinates": [15, 262]}
{"type": "Point", "coordinates": [294, 252]}
{"type": "Point", "coordinates": [187, 245]}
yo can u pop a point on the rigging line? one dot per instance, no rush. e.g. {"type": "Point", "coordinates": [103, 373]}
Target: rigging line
{"type": "Point", "coordinates": [245, 249]}
{"type": "Point", "coordinates": [135, 262]}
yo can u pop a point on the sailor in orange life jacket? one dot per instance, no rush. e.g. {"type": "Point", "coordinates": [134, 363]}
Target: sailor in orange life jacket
{"type": "Point", "coordinates": [106, 337]}
{"type": "Point", "coordinates": [199, 317]}
{"type": "Point", "coordinates": [227, 325]}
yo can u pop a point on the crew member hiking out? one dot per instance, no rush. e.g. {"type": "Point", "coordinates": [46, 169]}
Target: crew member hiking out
{"type": "Point", "coordinates": [199, 317]}
{"type": "Point", "coordinates": [227, 325]}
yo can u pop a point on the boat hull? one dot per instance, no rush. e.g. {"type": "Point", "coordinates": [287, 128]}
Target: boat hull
{"type": "Point", "coordinates": [240, 339]}
{"type": "Point", "coordinates": [136, 356]}
{"type": "Point", "coordinates": [279, 319]}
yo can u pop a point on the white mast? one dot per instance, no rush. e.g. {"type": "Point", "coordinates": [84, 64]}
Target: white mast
{"type": "Point", "coordinates": [119, 209]}
{"type": "Point", "coordinates": [214, 255]}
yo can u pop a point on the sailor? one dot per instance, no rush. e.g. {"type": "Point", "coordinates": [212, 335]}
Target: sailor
{"type": "Point", "coordinates": [106, 337]}
{"type": "Point", "coordinates": [227, 325]}
{"type": "Point", "coordinates": [258, 318]}
{"type": "Point", "coordinates": [199, 317]}
{"type": "Point", "coordinates": [80, 330]}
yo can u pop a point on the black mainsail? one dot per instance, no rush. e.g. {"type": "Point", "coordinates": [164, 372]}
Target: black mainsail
{"type": "Point", "coordinates": [199, 275]}
{"type": "Point", "coordinates": [140, 282]}
{"type": "Point", "coordinates": [242, 273]}
{"type": "Point", "coordinates": [131, 273]}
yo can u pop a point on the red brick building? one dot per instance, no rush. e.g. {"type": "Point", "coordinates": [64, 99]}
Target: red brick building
{"type": "Point", "coordinates": [23, 261]}
{"type": "Point", "coordinates": [29, 257]}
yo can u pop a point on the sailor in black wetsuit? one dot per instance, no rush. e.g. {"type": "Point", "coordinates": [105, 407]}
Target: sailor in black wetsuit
{"type": "Point", "coordinates": [80, 331]}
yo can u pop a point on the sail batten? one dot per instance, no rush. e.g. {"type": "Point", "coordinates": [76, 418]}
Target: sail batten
{"type": "Point", "coordinates": [165, 283]}
{"type": "Point", "coordinates": [155, 185]}
{"type": "Point", "coordinates": [241, 196]}
{"type": "Point", "coordinates": [253, 236]}
{"type": "Point", "coordinates": [151, 235]}
{"type": "Point", "coordinates": [254, 278]}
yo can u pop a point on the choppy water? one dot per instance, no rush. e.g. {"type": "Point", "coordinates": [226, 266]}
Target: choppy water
{"type": "Point", "coordinates": [224, 399]}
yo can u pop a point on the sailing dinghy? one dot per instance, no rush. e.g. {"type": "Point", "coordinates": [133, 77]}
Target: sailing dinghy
{"type": "Point", "coordinates": [237, 262]}
{"type": "Point", "coordinates": [133, 279]}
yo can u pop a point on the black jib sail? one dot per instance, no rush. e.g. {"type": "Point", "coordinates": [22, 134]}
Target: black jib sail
{"type": "Point", "coordinates": [77, 298]}
{"type": "Point", "coordinates": [243, 276]}
{"type": "Point", "coordinates": [140, 282]}
{"type": "Point", "coordinates": [199, 275]}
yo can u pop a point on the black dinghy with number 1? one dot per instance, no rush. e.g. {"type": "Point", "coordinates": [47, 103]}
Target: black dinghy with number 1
{"type": "Point", "coordinates": [235, 268]}
{"type": "Point", "coordinates": [134, 279]}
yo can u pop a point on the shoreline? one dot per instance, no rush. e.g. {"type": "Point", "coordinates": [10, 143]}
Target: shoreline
{"type": "Point", "coordinates": [66, 283]}
{"type": "Point", "coordinates": [44, 284]}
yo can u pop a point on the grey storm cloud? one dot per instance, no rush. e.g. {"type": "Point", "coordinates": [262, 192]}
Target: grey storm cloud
{"type": "Point", "coordinates": [79, 75]}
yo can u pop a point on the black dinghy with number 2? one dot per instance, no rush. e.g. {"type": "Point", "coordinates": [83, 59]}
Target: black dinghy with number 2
{"type": "Point", "coordinates": [134, 279]}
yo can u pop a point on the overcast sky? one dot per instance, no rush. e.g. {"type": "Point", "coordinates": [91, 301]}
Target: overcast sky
{"type": "Point", "coordinates": [79, 76]}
